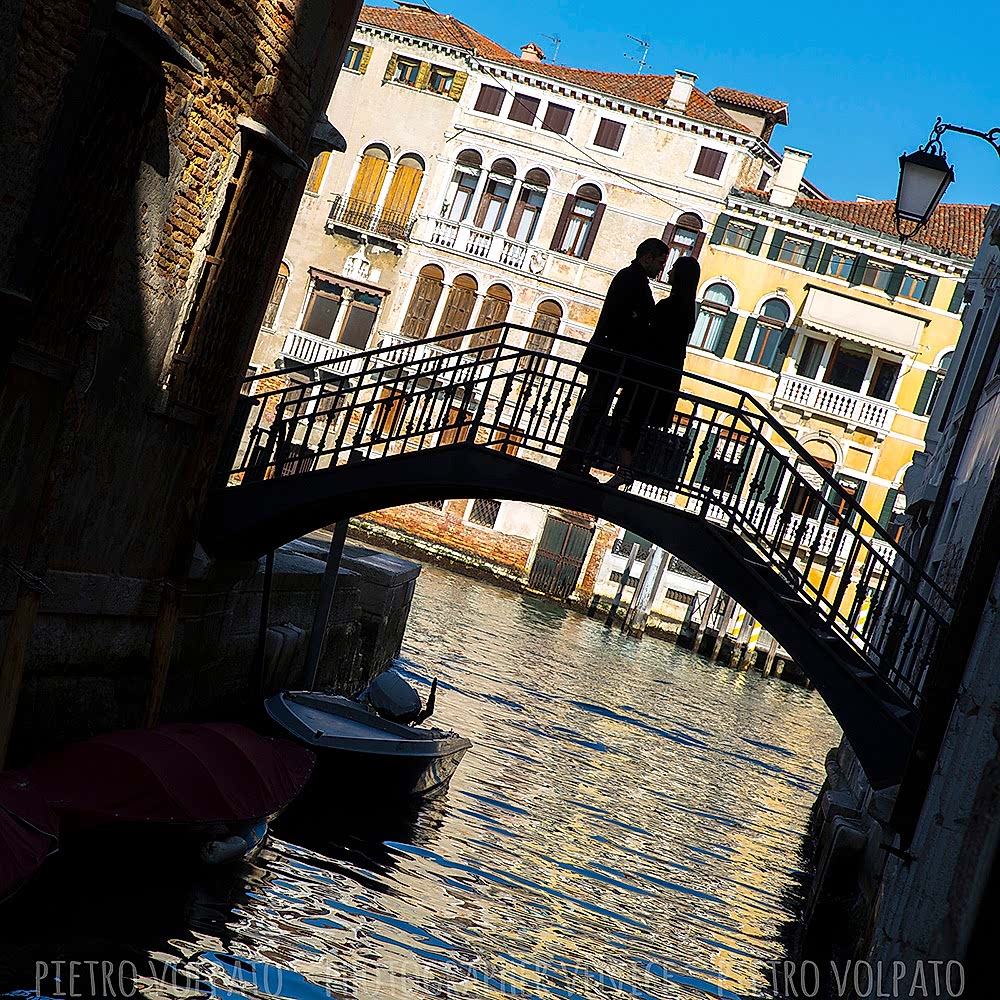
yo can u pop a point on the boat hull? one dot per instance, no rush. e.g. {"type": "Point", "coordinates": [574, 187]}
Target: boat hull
{"type": "Point", "coordinates": [359, 753]}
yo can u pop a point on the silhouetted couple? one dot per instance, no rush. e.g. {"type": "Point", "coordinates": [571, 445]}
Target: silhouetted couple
{"type": "Point", "coordinates": [632, 339]}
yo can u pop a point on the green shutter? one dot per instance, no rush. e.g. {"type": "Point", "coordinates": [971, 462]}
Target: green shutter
{"type": "Point", "coordinates": [710, 438]}
{"type": "Point", "coordinates": [926, 388]}
{"type": "Point", "coordinates": [890, 500]}
{"type": "Point", "coordinates": [957, 297]}
{"type": "Point", "coordinates": [858, 271]}
{"type": "Point", "coordinates": [768, 477]}
{"type": "Point", "coordinates": [824, 261]}
{"type": "Point", "coordinates": [928, 297]}
{"type": "Point", "coordinates": [895, 280]}
{"type": "Point", "coordinates": [776, 240]}
{"type": "Point", "coordinates": [757, 240]}
{"type": "Point", "coordinates": [813, 257]}
{"type": "Point", "coordinates": [720, 227]}
{"type": "Point", "coordinates": [725, 335]}
{"type": "Point", "coordinates": [744, 344]}
{"type": "Point", "coordinates": [781, 352]}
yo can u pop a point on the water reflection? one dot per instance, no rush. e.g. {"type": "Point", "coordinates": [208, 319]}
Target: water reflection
{"type": "Point", "coordinates": [628, 821]}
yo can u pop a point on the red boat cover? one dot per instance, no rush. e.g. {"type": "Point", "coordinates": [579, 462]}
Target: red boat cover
{"type": "Point", "coordinates": [185, 773]}
{"type": "Point", "coordinates": [27, 830]}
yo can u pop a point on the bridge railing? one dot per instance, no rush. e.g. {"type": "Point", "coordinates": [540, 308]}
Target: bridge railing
{"type": "Point", "coordinates": [722, 457]}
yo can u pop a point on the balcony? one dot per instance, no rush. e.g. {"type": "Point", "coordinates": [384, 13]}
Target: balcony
{"type": "Point", "coordinates": [304, 348]}
{"type": "Point", "coordinates": [366, 217]}
{"type": "Point", "coordinates": [849, 408]}
{"type": "Point", "coordinates": [409, 350]}
{"type": "Point", "coordinates": [496, 247]}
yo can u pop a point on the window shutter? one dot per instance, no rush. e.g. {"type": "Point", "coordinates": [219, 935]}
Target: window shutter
{"type": "Point", "coordinates": [890, 500]}
{"type": "Point", "coordinates": [920, 407]}
{"type": "Point", "coordinates": [668, 233]}
{"type": "Point", "coordinates": [775, 248]}
{"type": "Point", "coordinates": [743, 347]}
{"type": "Point", "coordinates": [560, 233]}
{"type": "Point", "coordinates": [720, 227]}
{"type": "Point", "coordinates": [767, 478]}
{"type": "Point", "coordinates": [698, 244]}
{"type": "Point", "coordinates": [588, 243]}
{"type": "Point", "coordinates": [812, 258]}
{"type": "Point", "coordinates": [895, 280]}
{"type": "Point", "coordinates": [366, 58]}
{"type": "Point", "coordinates": [710, 438]}
{"type": "Point", "coordinates": [757, 240]}
{"type": "Point", "coordinates": [858, 270]}
{"type": "Point", "coordinates": [423, 75]}
{"type": "Point", "coordinates": [957, 297]}
{"type": "Point", "coordinates": [725, 335]}
{"type": "Point", "coordinates": [825, 257]}
{"type": "Point", "coordinates": [516, 213]}
{"type": "Point", "coordinates": [390, 69]}
{"type": "Point", "coordinates": [928, 297]}
{"type": "Point", "coordinates": [782, 350]}
{"type": "Point", "coordinates": [458, 86]}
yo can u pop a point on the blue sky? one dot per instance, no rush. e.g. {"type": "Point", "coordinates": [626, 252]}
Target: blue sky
{"type": "Point", "coordinates": [864, 81]}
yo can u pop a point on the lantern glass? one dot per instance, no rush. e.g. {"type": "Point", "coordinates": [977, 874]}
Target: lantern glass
{"type": "Point", "coordinates": [923, 179]}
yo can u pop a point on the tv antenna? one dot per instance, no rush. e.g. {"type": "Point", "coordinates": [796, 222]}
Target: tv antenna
{"type": "Point", "coordinates": [558, 42]}
{"type": "Point", "coordinates": [645, 52]}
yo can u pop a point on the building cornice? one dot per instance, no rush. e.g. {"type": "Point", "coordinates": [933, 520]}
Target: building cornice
{"type": "Point", "coordinates": [849, 233]}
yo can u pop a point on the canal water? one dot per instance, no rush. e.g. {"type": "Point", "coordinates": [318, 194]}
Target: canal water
{"type": "Point", "coordinates": [629, 822]}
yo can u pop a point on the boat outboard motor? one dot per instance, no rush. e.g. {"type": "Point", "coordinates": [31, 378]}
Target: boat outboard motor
{"type": "Point", "coordinates": [393, 698]}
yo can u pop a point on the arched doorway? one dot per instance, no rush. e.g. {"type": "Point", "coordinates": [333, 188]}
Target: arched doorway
{"type": "Point", "coordinates": [394, 219]}
{"type": "Point", "coordinates": [458, 310]}
{"type": "Point", "coordinates": [496, 305]}
{"type": "Point", "coordinates": [367, 186]}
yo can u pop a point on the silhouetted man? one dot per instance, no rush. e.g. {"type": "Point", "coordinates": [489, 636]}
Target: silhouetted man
{"type": "Point", "coordinates": [623, 323]}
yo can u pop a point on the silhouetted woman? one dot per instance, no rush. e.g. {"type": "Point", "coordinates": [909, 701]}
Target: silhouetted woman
{"type": "Point", "coordinates": [665, 344]}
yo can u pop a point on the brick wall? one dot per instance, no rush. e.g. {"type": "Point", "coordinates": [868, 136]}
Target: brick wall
{"type": "Point", "coordinates": [604, 538]}
{"type": "Point", "coordinates": [446, 530]}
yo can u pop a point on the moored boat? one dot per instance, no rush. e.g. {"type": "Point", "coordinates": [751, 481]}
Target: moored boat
{"type": "Point", "coordinates": [362, 751]}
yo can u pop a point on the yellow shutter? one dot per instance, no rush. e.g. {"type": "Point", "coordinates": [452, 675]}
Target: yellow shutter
{"type": "Point", "coordinates": [368, 182]}
{"type": "Point", "coordinates": [423, 75]}
{"type": "Point", "coordinates": [458, 85]}
{"type": "Point", "coordinates": [365, 59]}
{"type": "Point", "coordinates": [390, 70]}
{"type": "Point", "coordinates": [403, 190]}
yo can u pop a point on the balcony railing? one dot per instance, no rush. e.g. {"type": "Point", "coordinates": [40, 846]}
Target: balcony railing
{"type": "Point", "coordinates": [367, 217]}
{"type": "Point", "coordinates": [486, 245]}
{"type": "Point", "coordinates": [409, 350]}
{"type": "Point", "coordinates": [847, 407]}
{"type": "Point", "coordinates": [309, 349]}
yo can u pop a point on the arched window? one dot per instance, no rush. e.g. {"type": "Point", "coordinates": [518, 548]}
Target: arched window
{"type": "Point", "coordinates": [367, 187]}
{"type": "Point", "coordinates": [805, 492]}
{"type": "Point", "coordinates": [545, 323]}
{"type": "Point", "coordinates": [684, 238]}
{"type": "Point", "coordinates": [423, 302]}
{"type": "Point", "coordinates": [458, 310]}
{"type": "Point", "coordinates": [277, 294]}
{"type": "Point", "coordinates": [931, 386]}
{"type": "Point", "coordinates": [394, 219]}
{"type": "Point", "coordinates": [528, 207]}
{"type": "Point", "coordinates": [578, 224]}
{"type": "Point", "coordinates": [714, 325]}
{"type": "Point", "coordinates": [316, 172]}
{"type": "Point", "coordinates": [496, 305]}
{"type": "Point", "coordinates": [766, 337]}
{"type": "Point", "coordinates": [496, 195]}
{"type": "Point", "coordinates": [458, 201]}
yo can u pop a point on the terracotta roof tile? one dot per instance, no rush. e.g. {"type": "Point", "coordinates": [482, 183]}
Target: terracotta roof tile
{"type": "Point", "coordinates": [439, 27]}
{"type": "Point", "coordinates": [648, 88]}
{"type": "Point", "coordinates": [753, 102]}
{"type": "Point", "coordinates": [953, 229]}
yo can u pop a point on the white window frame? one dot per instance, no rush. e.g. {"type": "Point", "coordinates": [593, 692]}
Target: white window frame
{"type": "Point", "coordinates": [600, 113]}
{"type": "Point", "coordinates": [722, 148]}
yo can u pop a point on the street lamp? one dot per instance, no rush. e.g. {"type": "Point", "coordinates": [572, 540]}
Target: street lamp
{"type": "Point", "coordinates": [924, 177]}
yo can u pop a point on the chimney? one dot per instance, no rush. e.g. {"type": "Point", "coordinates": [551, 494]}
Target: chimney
{"type": "Point", "coordinates": [531, 53]}
{"type": "Point", "coordinates": [785, 186]}
{"type": "Point", "coordinates": [680, 92]}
